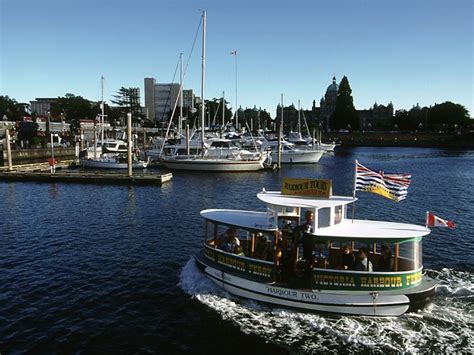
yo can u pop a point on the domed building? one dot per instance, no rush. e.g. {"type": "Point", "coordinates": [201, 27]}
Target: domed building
{"type": "Point", "coordinates": [378, 117]}
{"type": "Point", "coordinates": [328, 103]}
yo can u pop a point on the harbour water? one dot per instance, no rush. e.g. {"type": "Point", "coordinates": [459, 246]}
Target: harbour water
{"type": "Point", "coordinates": [108, 268]}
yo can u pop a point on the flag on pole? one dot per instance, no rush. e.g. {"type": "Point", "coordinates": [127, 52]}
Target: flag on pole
{"type": "Point", "coordinates": [233, 52]}
{"type": "Point", "coordinates": [435, 221]}
{"type": "Point", "coordinates": [391, 186]}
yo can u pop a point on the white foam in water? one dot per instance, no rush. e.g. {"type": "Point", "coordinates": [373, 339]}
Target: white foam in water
{"type": "Point", "coordinates": [446, 325]}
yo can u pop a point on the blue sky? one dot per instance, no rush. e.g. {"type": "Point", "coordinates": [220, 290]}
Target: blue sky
{"type": "Point", "coordinates": [406, 52]}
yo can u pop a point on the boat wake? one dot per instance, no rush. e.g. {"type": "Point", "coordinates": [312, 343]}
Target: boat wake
{"type": "Point", "coordinates": [446, 325]}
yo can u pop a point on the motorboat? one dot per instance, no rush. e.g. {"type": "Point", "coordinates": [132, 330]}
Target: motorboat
{"type": "Point", "coordinates": [292, 155]}
{"type": "Point", "coordinates": [284, 261]}
{"type": "Point", "coordinates": [112, 161]}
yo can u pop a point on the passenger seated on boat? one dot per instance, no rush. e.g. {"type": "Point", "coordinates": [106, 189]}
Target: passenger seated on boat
{"type": "Point", "coordinates": [363, 264]}
{"type": "Point", "coordinates": [347, 258]}
{"type": "Point", "coordinates": [385, 261]}
{"type": "Point", "coordinates": [262, 248]}
{"type": "Point", "coordinates": [231, 242]}
{"type": "Point", "coordinates": [238, 250]}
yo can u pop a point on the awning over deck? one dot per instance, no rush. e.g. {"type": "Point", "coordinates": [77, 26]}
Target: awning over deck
{"type": "Point", "coordinates": [244, 219]}
{"type": "Point", "coordinates": [364, 229]}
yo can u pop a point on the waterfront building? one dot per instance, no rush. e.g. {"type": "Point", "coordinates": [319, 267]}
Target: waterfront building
{"type": "Point", "coordinates": [378, 117]}
{"type": "Point", "coordinates": [160, 99]}
{"type": "Point", "coordinates": [328, 103]}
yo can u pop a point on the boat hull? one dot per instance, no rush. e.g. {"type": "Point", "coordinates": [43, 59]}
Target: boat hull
{"type": "Point", "coordinates": [301, 156]}
{"type": "Point", "coordinates": [364, 303]}
{"type": "Point", "coordinates": [96, 164]}
{"type": "Point", "coordinates": [217, 165]}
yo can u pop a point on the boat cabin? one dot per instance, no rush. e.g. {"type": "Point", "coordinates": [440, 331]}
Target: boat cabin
{"type": "Point", "coordinates": [307, 241]}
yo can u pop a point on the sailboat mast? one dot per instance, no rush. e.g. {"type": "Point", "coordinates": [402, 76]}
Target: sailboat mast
{"type": "Point", "coordinates": [103, 108]}
{"type": "Point", "coordinates": [180, 121]}
{"type": "Point", "coordinates": [203, 76]}
{"type": "Point", "coordinates": [223, 110]}
{"type": "Point", "coordinates": [299, 119]}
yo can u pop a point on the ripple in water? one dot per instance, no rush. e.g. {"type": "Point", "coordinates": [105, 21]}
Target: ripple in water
{"type": "Point", "coordinates": [446, 325]}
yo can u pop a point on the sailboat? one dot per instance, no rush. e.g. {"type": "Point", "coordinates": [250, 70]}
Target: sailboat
{"type": "Point", "coordinates": [112, 152]}
{"type": "Point", "coordinates": [207, 160]}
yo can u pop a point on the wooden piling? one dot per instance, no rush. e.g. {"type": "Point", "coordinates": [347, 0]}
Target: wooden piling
{"type": "Point", "coordinates": [129, 143]}
{"type": "Point", "coordinates": [9, 150]}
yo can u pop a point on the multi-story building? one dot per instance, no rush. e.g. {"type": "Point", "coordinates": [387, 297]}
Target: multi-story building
{"type": "Point", "coordinates": [150, 98]}
{"type": "Point", "coordinates": [160, 99]}
{"type": "Point", "coordinates": [41, 106]}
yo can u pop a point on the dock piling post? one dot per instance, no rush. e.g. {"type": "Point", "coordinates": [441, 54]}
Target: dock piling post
{"type": "Point", "coordinates": [188, 151]}
{"type": "Point", "coordinates": [9, 150]}
{"type": "Point", "coordinates": [129, 143]}
{"type": "Point", "coordinates": [53, 165]}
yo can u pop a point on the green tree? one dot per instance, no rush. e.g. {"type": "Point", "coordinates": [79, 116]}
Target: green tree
{"type": "Point", "coordinates": [402, 120]}
{"type": "Point", "coordinates": [72, 109]}
{"type": "Point", "coordinates": [128, 100]}
{"type": "Point", "coordinates": [290, 117]}
{"type": "Point", "coordinates": [28, 131]}
{"type": "Point", "coordinates": [13, 110]}
{"type": "Point", "coordinates": [448, 113]}
{"type": "Point", "coordinates": [345, 115]}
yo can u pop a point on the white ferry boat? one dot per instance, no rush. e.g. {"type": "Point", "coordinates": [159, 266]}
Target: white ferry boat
{"type": "Point", "coordinates": [328, 263]}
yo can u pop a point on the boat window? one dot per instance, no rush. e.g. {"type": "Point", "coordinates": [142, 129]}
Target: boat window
{"type": "Point", "coordinates": [287, 211]}
{"type": "Point", "coordinates": [324, 217]}
{"type": "Point", "coordinates": [338, 214]}
{"type": "Point", "coordinates": [409, 255]}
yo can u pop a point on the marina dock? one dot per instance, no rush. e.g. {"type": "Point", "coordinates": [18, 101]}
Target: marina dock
{"type": "Point", "coordinates": [41, 173]}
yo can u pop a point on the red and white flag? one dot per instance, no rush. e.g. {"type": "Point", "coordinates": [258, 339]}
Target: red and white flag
{"type": "Point", "coordinates": [435, 221]}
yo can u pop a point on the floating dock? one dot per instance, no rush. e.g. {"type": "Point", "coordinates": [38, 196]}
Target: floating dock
{"type": "Point", "coordinates": [85, 177]}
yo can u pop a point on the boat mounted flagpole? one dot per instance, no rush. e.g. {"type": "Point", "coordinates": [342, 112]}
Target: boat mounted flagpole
{"type": "Point", "coordinates": [354, 190]}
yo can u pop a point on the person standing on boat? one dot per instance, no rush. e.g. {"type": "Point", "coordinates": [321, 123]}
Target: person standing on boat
{"type": "Point", "coordinates": [308, 241]}
{"type": "Point", "coordinates": [363, 263]}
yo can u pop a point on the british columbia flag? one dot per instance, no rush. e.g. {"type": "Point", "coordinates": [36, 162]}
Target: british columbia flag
{"type": "Point", "coordinates": [392, 186]}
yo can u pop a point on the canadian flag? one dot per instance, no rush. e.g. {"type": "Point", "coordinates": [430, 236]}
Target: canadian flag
{"type": "Point", "coordinates": [435, 221]}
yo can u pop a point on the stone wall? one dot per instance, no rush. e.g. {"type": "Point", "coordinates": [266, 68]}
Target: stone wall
{"type": "Point", "coordinates": [40, 155]}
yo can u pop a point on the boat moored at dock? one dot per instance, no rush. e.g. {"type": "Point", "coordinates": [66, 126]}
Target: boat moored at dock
{"type": "Point", "coordinates": [324, 263]}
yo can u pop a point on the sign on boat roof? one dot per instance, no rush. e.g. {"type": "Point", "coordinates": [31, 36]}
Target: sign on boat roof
{"type": "Point", "coordinates": [306, 187]}
{"type": "Point", "coordinates": [278, 199]}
